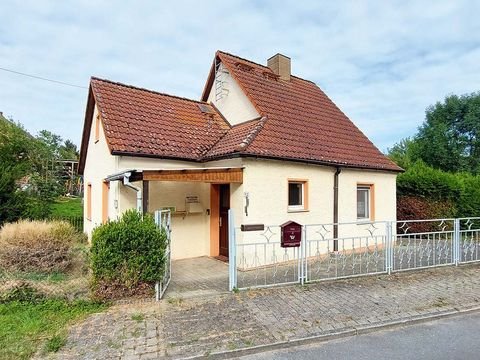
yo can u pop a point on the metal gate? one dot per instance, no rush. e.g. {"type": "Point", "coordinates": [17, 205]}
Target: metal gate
{"type": "Point", "coordinates": [345, 250]}
{"type": "Point", "coordinates": [163, 220]}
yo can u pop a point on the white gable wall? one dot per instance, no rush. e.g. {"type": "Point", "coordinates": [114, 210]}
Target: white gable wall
{"type": "Point", "coordinates": [99, 163]}
{"type": "Point", "coordinates": [234, 105]}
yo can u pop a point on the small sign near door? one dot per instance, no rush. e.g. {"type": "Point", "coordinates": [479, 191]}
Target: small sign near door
{"type": "Point", "coordinates": [291, 234]}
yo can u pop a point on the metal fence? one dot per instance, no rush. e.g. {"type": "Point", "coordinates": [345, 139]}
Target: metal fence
{"type": "Point", "coordinates": [345, 250]}
{"type": "Point", "coordinates": [75, 221]}
{"type": "Point", "coordinates": [163, 219]}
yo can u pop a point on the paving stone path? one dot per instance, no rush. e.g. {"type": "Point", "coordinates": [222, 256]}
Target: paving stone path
{"type": "Point", "coordinates": [179, 328]}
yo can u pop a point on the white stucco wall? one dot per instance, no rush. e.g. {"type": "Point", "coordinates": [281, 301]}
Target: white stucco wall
{"type": "Point", "coordinates": [99, 163]}
{"type": "Point", "coordinates": [234, 105]}
{"type": "Point", "coordinates": [266, 181]}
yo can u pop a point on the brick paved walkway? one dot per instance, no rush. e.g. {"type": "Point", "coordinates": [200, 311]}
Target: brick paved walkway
{"type": "Point", "coordinates": [198, 326]}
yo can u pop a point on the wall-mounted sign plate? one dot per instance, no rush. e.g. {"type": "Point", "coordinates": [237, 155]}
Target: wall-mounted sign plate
{"type": "Point", "coordinates": [252, 227]}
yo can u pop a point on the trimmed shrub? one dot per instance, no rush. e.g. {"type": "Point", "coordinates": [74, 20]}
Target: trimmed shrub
{"type": "Point", "coordinates": [37, 246]}
{"type": "Point", "coordinates": [127, 255]}
{"type": "Point", "coordinates": [425, 192]}
{"type": "Point", "coordinates": [424, 181]}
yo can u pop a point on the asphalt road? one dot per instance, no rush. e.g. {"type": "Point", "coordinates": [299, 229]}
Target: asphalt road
{"type": "Point", "coordinates": [452, 338]}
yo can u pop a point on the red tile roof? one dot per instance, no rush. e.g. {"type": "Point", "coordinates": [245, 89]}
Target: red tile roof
{"type": "Point", "coordinates": [299, 122]}
{"type": "Point", "coordinates": [142, 122]}
{"type": "Point", "coordinates": [302, 122]}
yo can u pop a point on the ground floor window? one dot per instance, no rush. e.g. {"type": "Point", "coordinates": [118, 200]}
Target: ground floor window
{"type": "Point", "coordinates": [297, 195]}
{"type": "Point", "coordinates": [364, 202]}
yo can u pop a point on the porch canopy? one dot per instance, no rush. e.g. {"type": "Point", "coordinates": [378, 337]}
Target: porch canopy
{"type": "Point", "coordinates": [213, 175]}
{"type": "Point", "coordinates": [217, 175]}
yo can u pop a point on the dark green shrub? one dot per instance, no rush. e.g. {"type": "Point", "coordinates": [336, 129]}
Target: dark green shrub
{"type": "Point", "coordinates": [425, 181]}
{"type": "Point", "coordinates": [469, 201]}
{"type": "Point", "coordinates": [425, 192]}
{"type": "Point", "coordinates": [127, 253]}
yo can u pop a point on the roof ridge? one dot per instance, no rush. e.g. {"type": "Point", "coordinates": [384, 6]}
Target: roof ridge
{"type": "Point", "coordinates": [148, 90]}
{"type": "Point", "coordinates": [251, 135]}
{"type": "Point", "coordinates": [258, 64]}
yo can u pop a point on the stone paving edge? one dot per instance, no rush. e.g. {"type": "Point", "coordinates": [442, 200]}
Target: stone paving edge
{"type": "Point", "coordinates": [347, 332]}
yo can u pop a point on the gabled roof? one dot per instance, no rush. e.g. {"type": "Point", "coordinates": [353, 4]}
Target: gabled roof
{"type": "Point", "coordinates": [302, 122]}
{"type": "Point", "coordinates": [298, 123]}
{"type": "Point", "coordinates": [140, 122]}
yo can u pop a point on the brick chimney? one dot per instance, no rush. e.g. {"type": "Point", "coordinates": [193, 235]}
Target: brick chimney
{"type": "Point", "coordinates": [280, 65]}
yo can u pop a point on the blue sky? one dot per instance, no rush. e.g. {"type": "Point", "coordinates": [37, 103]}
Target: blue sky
{"type": "Point", "coordinates": [382, 62]}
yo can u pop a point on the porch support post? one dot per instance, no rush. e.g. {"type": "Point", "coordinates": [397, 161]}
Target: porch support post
{"type": "Point", "coordinates": [145, 199]}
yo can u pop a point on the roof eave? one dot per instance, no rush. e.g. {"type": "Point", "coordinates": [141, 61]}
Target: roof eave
{"type": "Point", "coordinates": [300, 160]}
{"type": "Point", "coordinates": [87, 126]}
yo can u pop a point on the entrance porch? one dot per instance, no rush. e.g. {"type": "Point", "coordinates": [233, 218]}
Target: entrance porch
{"type": "Point", "coordinates": [198, 277]}
{"type": "Point", "coordinates": [198, 198]}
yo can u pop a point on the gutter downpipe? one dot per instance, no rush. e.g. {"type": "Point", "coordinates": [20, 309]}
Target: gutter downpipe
{"type": "Point", "coordinates": [127, 183]}
{"type": "Point", "coordinates": [335, 208]}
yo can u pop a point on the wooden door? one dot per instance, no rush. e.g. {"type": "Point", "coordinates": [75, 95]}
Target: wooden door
{"type": "Point", "coordinates": [223, 219]}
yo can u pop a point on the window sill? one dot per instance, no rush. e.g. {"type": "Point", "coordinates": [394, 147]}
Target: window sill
{"type": "Point", "coordinates": [364, 221]}
{"type": "Point", "coordinates": [297, 210]}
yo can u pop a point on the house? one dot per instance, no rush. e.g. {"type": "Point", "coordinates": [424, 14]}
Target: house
{"type": "Point", "coordinates": [261, 141]}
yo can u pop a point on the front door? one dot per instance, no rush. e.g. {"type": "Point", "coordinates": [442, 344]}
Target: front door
{"type": "Point", "coordinates": [223, 220]}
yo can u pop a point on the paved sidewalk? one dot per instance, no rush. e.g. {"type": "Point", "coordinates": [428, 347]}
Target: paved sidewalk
{"type": "Point", "coordinates": [180, 328]}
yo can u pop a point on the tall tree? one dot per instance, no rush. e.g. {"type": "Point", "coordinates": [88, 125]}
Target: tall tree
{"type": "Point", "coordinates": [449, 139]}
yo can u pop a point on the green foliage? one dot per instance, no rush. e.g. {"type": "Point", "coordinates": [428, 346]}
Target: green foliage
{"type": "Point", "coordinates": [449, 138]}
{"type": "Point", "coordinates": [442, 161]}
{"type": "Point", "coordinates": [128, 252]}
{"type": "Point", "coordinates": [30, 175]}
{"type": "Point", "coordinates": [425, 181]}
{"type": "Point", "coordinates": [469, 200]}
{"type": "Point", "coordinates": [13, 203]}
{"type": "Point", "coordinates": [404, 153]}
{"type": "Point", "coordinates": [447, 194]}
{"type": "Point", "coordinates": [55, 343]}
{"type": "Point", "coordinates": [25, 325]}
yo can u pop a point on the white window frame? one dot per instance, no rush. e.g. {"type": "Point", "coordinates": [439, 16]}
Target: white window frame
{"type": "Point", "coordinates": [368, 207]}
{"type": "Point", "coordinates": [302, 206]}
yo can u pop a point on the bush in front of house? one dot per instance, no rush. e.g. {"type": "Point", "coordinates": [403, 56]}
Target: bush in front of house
{"type": "Point", "coordinates": [425, 192]}
{"type": "Point", "coordinates": [127, 255]}
{"type": "Point", "coordinates": [38, 246]}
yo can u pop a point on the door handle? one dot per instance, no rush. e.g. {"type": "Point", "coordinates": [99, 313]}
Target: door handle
{"type": "Point", "coordinates": [220, 221]}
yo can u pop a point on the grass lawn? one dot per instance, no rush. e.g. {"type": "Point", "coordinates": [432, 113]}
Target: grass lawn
{"type": "Point", "coordinates": [68, 207]}
{"type": "Point", "coordinates": [26, 327]}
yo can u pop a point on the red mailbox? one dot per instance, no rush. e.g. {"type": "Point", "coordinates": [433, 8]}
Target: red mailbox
{"type": "Point", "coordinates": [291, 234]}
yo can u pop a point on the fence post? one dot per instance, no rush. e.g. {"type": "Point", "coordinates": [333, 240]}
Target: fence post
{"type": "Point", "coordinates": [456, 241]}
{"type": "Point", "coordinates": [303, 255]}
{"type": "Point", "coordinates": [232, 253]}
{"type": "Point", "coordinates": [388, 248]}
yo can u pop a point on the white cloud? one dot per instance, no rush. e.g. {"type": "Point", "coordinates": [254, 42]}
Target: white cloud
{"type": "Point", "coordinates": [383, 63]}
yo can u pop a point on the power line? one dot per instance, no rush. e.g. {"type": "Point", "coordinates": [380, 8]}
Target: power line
{"type": "Point", "coordinates": [42, 78]}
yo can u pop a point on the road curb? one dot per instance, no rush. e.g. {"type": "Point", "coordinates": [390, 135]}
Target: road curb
{"type": "Point", "coordinates": [348, 332]}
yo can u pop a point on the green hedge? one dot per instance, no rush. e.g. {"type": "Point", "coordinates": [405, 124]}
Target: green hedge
{"type": "Point", "coordinates": [460, 190]}
{"type": "Point", "coordinates": [128, 252]}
